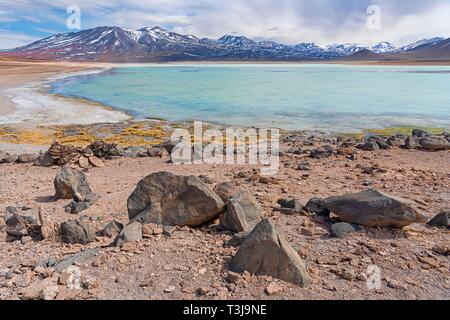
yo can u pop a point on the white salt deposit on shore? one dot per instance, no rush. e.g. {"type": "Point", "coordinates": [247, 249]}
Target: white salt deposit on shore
{"type": "Point", "coordinates": [33, 105]}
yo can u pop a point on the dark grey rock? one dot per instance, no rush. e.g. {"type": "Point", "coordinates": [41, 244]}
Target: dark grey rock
{"type": "Point", "coordinates": [242, 214]}
{"type": "Point", "coordinates": [290, 206]}
{"type": "Point", "coordinates": [11, 209]}
{"type": "Point", "coordinates": [111, 230]}
{"type": "Point", "coordinates": [135, 152]}
{"type": "Point", "coordinates": [322, 153]}
{"type": "Point", "coordinates": [131, 233]}
{"type": "Point", "coordinates": [341, 229]}
{"type": "Point", "coordinates": [412, 142]}
{"type": "Point", "coordinates": [18, 226]}
{"type": "Point", "coordinates": [71, 184]}
{"type": "Point", "coordinates": [77, 207]}
{"type": "Point", "coordinates": [420, 133]}
{"type": "Point", "coordinates": [81, 257]}
{"type": "Point", "coordinates": [369, 146]}
{"type": "Point", "coordinates": [27, 158]}
{"type": "Point", "coordinates": [304, 166]}
{"type": "Point", "coordinates": [374, 209]}
{"type": "Point", "coordinates": [441, 220]}
{"type": "Point", "coordinates": [45, 160]}
{"type": "Point", "coordinates": [317, 206]}
{"type": "Point", "coordinates": [205, 179]}
{"type": "Point", "coordinates": [434, 143]}
{"type": "Point", "coordinates": [266, 252]}
{"type": "Point", "coordinates": [10, 158]}
{"type": "Point", "coordinates": [157, 152]}
{"type": "Point", "coordinates": [167, 199]}
{"type": "Point", "coordinates": [75, 231]}
{"type": "Point", "coordinates": [237, 239]}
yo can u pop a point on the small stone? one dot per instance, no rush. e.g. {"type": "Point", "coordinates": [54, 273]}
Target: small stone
{"type": "Point", "coordinates": [203, 291]}
{"type": "Point", "coordinates": [430, 262]}
{"type": "Point", "coordinates": [131, 233]}
{"type": "Point", "coordinates": [169, 289]}
{"type": "Point", "coordinates": [233, 277]}
{"type": "Point", "coordinates": [306, 232]}
{"type": "Point", "coordinates": [111, 230]}
{"type": "Point", "coordinates": [49, 293]}
{"type": "Point", "coordinates": [341, 229]}
{"type": "Point", "coordinates": [273, 289]}
{"type": "Point", "coordinates": [443, 249]}
{"type": "Point", "coordinates": [348, 275]}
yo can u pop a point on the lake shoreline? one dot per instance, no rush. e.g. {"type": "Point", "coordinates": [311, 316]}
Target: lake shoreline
{"type": "Point", "coordinates": [35, 77]}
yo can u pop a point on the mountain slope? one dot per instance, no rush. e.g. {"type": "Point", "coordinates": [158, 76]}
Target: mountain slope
{"type": "Point", "coordinates": [114, 44]}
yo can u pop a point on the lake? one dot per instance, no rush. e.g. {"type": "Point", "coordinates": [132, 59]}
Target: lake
{"type": "Point", "coordinates": [317, 97]}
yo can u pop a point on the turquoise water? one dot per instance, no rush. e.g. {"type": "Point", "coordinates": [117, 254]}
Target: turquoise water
{"type": "Point", "coordinates": [323, 97]}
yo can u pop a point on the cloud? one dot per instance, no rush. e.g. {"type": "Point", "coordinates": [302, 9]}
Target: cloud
{"type": "Point", "coordinates": [288, 21]}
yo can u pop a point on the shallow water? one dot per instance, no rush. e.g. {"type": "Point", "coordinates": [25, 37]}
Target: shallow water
{"type": "Point", "coordinates": [322, 97]}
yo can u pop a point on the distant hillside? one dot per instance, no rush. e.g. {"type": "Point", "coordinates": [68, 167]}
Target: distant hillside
{"type": "Point", "coordinates": [115, 44]}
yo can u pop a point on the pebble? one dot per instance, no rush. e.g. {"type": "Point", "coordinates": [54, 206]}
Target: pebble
{"type": "Point", "coordinates": [273, 289]}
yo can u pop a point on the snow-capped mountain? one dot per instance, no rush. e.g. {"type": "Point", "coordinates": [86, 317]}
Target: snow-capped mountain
{"type": "Point", "coordinates": [346, 49]}
{"type": "Point", "coordinates": [421, 43]}
{"type": "Point", "coordinates": [383, 47]}
{"type": "Point", "coordinates": [237, 41]}
{"type": "Point", "coordinates": [116, 44]}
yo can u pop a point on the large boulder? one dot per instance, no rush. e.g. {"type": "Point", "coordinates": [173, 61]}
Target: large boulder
{"type": "Point", "coordinates": [243, 213]}
{"type": "Point", "coordinates": [266, 252]}
{"type": "Point", "coordinates": [71, 184]}
{"type": "Point", "coordinates": [75, 231]}
{"type": "Point", "coordinates": [167, 199]}
{"type": "Point", "coordinates": [372, 208]}
{"type": "Point", "coordinates": [435, 143]}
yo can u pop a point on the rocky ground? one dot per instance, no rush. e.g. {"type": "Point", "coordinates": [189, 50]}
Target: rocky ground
{"type": "Point", "coordinates": [194, 263]}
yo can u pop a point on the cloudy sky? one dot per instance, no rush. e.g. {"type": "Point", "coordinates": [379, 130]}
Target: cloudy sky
{"type": "Point", "coordinates": [287, 21]}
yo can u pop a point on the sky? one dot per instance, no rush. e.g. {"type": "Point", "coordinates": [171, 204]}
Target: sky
{"type": "Point", "coordinates": [287, 21]}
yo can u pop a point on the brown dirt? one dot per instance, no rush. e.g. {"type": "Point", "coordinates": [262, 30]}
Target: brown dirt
{"type": "Point", "coordinates": [194, 259]}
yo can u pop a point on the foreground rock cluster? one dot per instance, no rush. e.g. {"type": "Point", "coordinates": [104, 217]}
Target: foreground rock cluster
{"type": "Point", "coordinates": [231, 232]}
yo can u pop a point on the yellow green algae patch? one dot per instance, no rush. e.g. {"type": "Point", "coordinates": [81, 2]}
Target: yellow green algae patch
{"type": "Point", "coordinates": [407, 130]}
{"type": "Point", "coordinates": [124, 134]}
{"type": "Point", "coordinates": [403, 130]}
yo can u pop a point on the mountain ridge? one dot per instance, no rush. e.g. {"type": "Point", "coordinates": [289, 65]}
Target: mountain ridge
{"type": "Point", "coordinates": [155, 44]}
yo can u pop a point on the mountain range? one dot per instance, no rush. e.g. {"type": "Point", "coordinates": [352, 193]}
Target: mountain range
{"type": "Point", "coordinates": [115, 44]}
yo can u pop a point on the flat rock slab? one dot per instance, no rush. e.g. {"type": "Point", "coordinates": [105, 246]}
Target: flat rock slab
{"type": "Point", "coordinates": [374, 209]}
{"type": "Point", "coordinates": [266, 252]}
{"type": "Point", "coordinates": [170, 200]}
{"type": "Point", "coordinates": [80, 257]}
